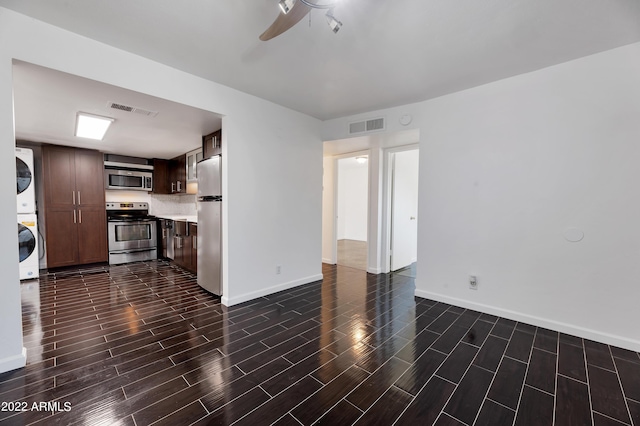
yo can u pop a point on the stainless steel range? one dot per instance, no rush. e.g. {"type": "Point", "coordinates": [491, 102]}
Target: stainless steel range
{"type": "Point", "coordinates": [132, 233]}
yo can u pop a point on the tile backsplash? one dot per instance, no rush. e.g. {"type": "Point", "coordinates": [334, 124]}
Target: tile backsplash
{"type": "Point", "coordinates": [158, 204]}
{"type": "Point", "coordinates": [172, 204]}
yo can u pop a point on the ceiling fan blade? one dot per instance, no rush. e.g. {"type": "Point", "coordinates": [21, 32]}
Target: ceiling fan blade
{"type": "Point", "coordinates": [284, 22]}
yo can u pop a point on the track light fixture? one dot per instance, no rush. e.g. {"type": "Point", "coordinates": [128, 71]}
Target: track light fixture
{"type": "Point", "coordinates": [286, 5]}
{"type": "Point", "coordinates": [334, 24]}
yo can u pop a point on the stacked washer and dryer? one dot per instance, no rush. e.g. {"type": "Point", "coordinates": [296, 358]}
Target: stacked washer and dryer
{"type": "Point", "coordinates": [27, 219]}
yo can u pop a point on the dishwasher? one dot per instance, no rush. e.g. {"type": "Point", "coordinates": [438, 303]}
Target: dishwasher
{"type": "Point", "coordinates": [168, 234]}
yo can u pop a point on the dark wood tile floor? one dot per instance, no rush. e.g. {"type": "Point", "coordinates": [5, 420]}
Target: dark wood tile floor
{"type": "Point", "coordinates": [142, 344]}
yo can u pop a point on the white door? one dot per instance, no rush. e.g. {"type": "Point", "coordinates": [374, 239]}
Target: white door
{"type": "Point", "coordinates": [404, 209]}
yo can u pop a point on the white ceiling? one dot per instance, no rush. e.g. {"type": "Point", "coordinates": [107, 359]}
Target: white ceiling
{"type": "Point", "coordinates": [388, 53]}
{"type": "Point", "coordinates": [46, 103]}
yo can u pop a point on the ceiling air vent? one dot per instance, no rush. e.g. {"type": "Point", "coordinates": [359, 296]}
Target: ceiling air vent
{"type": "Point", "coordinates": [371, 125]}
{"type": "Point", "coordinates": [135, 110]}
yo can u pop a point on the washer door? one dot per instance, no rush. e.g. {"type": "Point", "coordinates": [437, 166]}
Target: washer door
{"type": "Point", "coordinates": [26, 242]}
{"type": "Point", "coordinates": [23, 175]}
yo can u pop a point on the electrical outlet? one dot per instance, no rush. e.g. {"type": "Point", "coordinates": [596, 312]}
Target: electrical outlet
{"type": "Point", "coordinates": [473, 282]}
{"type": "Point", "coordinates": [278, 269]}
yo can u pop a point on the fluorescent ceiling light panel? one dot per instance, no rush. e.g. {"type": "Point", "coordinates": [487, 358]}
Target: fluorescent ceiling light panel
{"type": "Point", "coordinates": [92, 126]}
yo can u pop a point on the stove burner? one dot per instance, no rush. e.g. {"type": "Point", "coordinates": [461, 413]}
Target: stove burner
{"type": "Point", "coordinates": [128, 212]}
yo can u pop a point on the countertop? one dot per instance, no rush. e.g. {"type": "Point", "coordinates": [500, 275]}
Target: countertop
{"type": "Point", "coordinates": [187, 218]}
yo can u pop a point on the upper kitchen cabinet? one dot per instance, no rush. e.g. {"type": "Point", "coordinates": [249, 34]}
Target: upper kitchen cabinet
{"type": "Point", "coordinates": [178, 174]}
{"type": "Point", "coordinates": [161, 176]}
{"type": "Point", "coordinates": [192, 159]}
{"type": "Point", "coordinates": [170, 176]}
{"type": "Point", "coordinates": [212, 144]}
{"type": "Point", "coordinates": [75, 216]}
{"type": "Point", "coordinates": [90, 188]}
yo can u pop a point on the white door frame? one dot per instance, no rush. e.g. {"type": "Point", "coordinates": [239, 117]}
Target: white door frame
{"type": "Point", "coordinates": [388, 155]}
{"type": "Point", "coordinates": [334, 248]}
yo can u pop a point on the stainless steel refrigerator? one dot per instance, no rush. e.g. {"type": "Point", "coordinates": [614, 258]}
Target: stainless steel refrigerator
{"type": "Point", "coordinates": [210, 225]}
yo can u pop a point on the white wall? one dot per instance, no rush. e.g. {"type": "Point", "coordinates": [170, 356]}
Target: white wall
{"type": "Point", "coordinates": [12, 354]}
{"type": "Point", "coordinates": [271, 170]}
{"type": "Point", "coordinates": [328, 213]}
{"type": "Point", "coordinates": [506, 168]}
{"type": "Point", "coordinates": [353, 185]}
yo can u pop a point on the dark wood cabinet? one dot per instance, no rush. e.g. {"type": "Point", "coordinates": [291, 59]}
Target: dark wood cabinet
{"type": "Point", "coordinates": [61, 237]}
{"type": "Point", "coordinates": [178, 175]}
{"type": "Point", "coordinates": [161, 178]}
{"type": "Point", "coordinates": [212, 144]}
{"type": "Point", "coordinates": [185, 245]}
{"type": "Point", "coordinates": [75, 216]}
{"type": "Point", "coordinates": [59, 173]}
{"type": "Point", "coordinates": [89, 179]}
{"type": "Point", "coordinates": [170, 176]}
{"type": "Point", "coordinates": [181, 255]}
{"type": "Point", "coordinates": [93, 245]}
{"type": "Point", "coordinates": [186, 251]}
{"type": "Point", "coordinates": [193, 237]}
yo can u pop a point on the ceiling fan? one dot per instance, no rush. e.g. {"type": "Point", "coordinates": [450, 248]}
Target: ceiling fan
{"type": "Point", "coordinates": [292, 11]}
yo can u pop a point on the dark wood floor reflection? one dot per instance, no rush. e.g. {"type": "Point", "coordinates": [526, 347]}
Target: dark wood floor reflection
{"type": "Point", "coordinates": [142, 344]}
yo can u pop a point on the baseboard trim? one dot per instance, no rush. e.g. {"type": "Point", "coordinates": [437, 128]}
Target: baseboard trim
{"type": "Point", "coordinates": [328, 261]}
{"type": "Point", "coordinates": [269, 290]}
{"type": "Point", "coordinates": [13, 362]}
{"type": "Point", "coordinates": [585, 333]}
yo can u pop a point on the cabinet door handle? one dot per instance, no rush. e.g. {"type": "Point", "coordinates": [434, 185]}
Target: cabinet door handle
{"type": "Point", "coordinates": [179, 186]}
{"type": "Point", "coordinates": [74, 216]}
{"type": "Point", "coordinates": [79, 216]}
{"type": "Point", "coordinates": [78, 197]}
{"type": "Point", "coordinates": [195, 243]}
{"type": "Point", "coordinates": [163, 234]}
{"type": "Point", "coordinates": [173, 185]}
{"type": "Point", "coordinates": [73, 195]}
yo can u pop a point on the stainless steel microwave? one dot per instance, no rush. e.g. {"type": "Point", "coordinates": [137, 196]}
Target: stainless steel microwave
{"type": "Point", "coordinates": [128, 176]}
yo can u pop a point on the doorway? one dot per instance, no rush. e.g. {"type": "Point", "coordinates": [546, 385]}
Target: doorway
{"type": "Point", "coordinates": [352, 207]}
{"type": "Point", "coordinates": [403, 217]}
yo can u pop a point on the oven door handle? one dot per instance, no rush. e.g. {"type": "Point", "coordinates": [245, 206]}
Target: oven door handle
{"type": "Point", "coordinates": [132, 251]}
{"type": "Point", "coordinates": [134, 222]}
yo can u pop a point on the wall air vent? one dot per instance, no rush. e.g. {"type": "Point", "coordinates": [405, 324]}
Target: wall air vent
{"type": "Point", "coordinates": [135, 110]}
{"type": "Point", "coordinates": [371, 125]}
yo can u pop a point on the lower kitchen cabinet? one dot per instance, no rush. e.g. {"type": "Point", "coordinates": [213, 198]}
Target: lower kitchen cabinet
{"type": "Point", "coordinates": [76, 237]}
{"type": "Point", "coordinates": [92, 240]}
{"type": "Point", "coordinates": [193, 234]}
{"type": "Point", "coordinates": [62, 237]}
{"type": "Point", "coordinates": [185, 245]}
